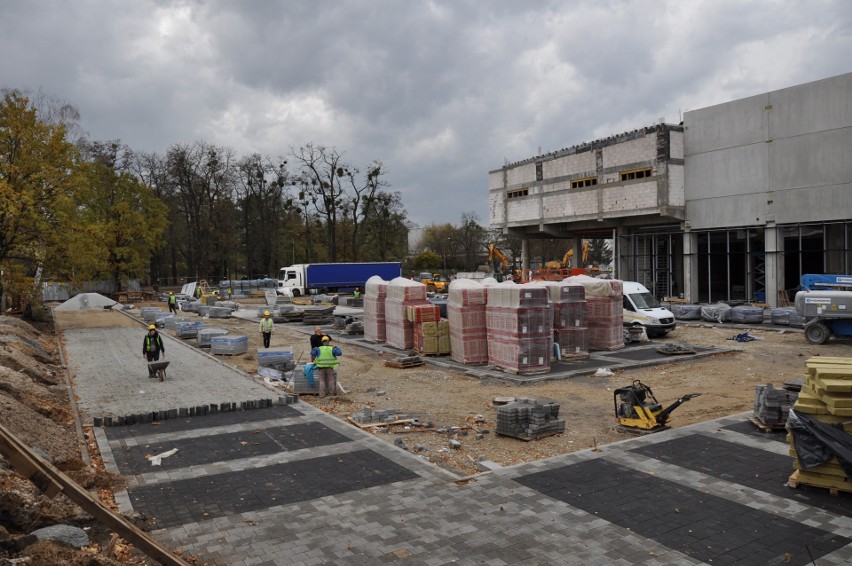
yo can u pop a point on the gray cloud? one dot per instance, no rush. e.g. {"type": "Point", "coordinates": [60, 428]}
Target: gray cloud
{"type": "Point", "coordinates": [441, 92]}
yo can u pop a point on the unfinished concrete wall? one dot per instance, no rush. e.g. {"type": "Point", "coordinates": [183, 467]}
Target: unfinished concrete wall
{"type": "Point", "coordinates": [779, 157]}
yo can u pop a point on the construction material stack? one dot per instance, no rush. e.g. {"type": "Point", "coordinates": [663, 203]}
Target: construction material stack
{"type": "Point", "coordinates": [529, 419]}
{"type": "Point", "coordinates": [820, 426]}
{"type": "Point", "coordinates": [427, 322]}
{"type": "Point", "coordinates": [519, 322]}
{"type": "Point", "coordinates": [604, 311]}
{"type": "Point", "coordinates": [569, 320]}
{"type": "Point", "coordinates": [375, 293]}
{"type": "Point", "coordinates": [206, 334]}
{"type": "Point", "coordinates": [772, 405]}
{"type": "Point", "coordinates": [228, 345]}
{"type": "Point", "coordinates": [402, 293]}
{"type": "Point", "coordinates": [466, 315]}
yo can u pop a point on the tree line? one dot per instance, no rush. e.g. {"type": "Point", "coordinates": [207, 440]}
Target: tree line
{"type": "Point", "coordinates": [75, 210]}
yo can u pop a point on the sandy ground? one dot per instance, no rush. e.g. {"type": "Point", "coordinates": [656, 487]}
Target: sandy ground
{"type": "Point", "coordinates": [451, 399]}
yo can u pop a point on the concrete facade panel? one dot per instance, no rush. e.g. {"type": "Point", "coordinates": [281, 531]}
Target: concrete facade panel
{"type": "Point", "coordinates": [630, 197]}
{"type": "Point", "coordinates": [676, 179]}
{"type": "Point", "coordinates": [524, 209]}
{"type": "Point", "coordinates": [580, 163]}
{"type": "Point", "coordinates": [580, 203]}
{"type": "Point", "coordinates": [728, 172]}
{"type": "Point", "coordinates": [737, 123]}
{"type": "Point", "coordinates": [823, 158]}
{"type": "Point", "coordinates": [812, 107]}
{"type": "Point", "coordinates": [629, 152]}
{"type": "Point", "coordinates": [676, 145]}
{"type": "Point", "coordinates": [813, 204]}
{"type": "Point", "coordinates": [522, 174]}
{"type": "Point", "coordinates": [730, 211]}
{"type": "Point", "coordinates": [495, 208]}
{"type": "Point", "coordinates": [495, 180]}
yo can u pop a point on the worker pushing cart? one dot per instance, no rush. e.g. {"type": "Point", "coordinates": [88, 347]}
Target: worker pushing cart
{"type": "Point", "coordinates": [152, 347]}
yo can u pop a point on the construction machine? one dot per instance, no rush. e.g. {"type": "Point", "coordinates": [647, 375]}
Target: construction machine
{"type": "Point", "coordinates": [435, 283]}
{"type": "Point", "coordinates": [638, 411]}
{"type": "Point", "coordinates": [494, 253]}
{"type": "Point", "coordinates": [826, 306]}
{"type": "Point", "coordinates": [566, 261]}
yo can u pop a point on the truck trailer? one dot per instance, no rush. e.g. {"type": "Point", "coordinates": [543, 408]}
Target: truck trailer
{"type": "Point", "coordinates": [312, 278]}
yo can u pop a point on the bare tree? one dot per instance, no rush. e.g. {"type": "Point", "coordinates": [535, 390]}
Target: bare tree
{"type": "Point", "coordinates": [322, 170]}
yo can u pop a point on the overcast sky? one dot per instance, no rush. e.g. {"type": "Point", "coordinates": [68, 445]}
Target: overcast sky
{"type": "Point", "coordinates": [441, 92]}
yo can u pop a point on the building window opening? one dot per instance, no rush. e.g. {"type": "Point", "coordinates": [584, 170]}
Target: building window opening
{"type": "Point", "coordinates": [518, 193]}
{"type": "Point", "coordinates": [539, 172]}
{"type": "Point", "coordinates": [580, 183]}
{"type": "Point", "coordinates": [637, 174]}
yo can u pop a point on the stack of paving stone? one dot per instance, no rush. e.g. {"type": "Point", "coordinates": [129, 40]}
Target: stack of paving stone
{"type": "Point", "coordinates": [302, 385]}
{"type": "Point", "coordinates": [370, 416]}
{"type": "Point", "coordinates": [228, 345]}
{"type": "Point", "coordinates": [280, 359]}
{"type": "Point", "coordinates": [745, 314]}
{"type": "Point", "coordinates": [569, 320]}
{"type": "Point", "coordinates": [203, 310]}
{"type": "Point", "coordinates": [219, 312]}
{"type": "Point", "coordinates": [149, 314]}
{"type": "Point", "coordinates": [772, 404]}
{"type": "Point", "coordinates": [519, 323]}
{"type": "Point", "coordinates": [317, 316]}
{"type": "Point", "coordinates": [466, 314]}
{"type": "Point", "coordinates": [188, 329]}
{"type": "Point", "coordinates": [826, 396]}
{"type": "Point", "coordinates": [686, 312]}
{"type": "Point", "coordinates": [529, 419]}
{"type": "Point", "coordinates": [375, 293]}
{"type": "Point", "coordinates": [172, 322]}
{"type": "Point", "coordinates": [207, 334]}
{"type": "Point", "coordinates": [160, 319]}
{"type": "Point", "coordinates": [402, 293]}
{"type": "Point", "coordinates": [787, 316]}
{"type": "Point", "coordinates": [604, 311]}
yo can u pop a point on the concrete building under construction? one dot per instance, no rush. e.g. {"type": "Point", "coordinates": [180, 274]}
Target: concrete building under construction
{"type": "Point", "coordinates": [735, 203]}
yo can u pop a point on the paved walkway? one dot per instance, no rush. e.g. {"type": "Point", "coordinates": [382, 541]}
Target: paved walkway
{"type": "Point", "coordinates": [290, 484]}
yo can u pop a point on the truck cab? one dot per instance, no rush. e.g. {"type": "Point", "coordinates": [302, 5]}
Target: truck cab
{"type": "Point", "coordinates": [641, 308]}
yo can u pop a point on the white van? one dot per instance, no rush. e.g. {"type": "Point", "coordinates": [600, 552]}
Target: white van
{"type": "Point", "coordinates": [641, 308]}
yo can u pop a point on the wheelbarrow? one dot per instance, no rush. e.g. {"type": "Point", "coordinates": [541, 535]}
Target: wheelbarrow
{"type": "Point", "coordinates": [158, 369]}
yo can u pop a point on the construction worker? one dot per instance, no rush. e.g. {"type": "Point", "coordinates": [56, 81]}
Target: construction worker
{"type": "Point", "coordinates": [266, 328]}
{"type": "Point", "coordinates": [316, 337]}
{"type": "Point", "coordinates": [357, 293]}
{"type": "Point", "coordinates": [230, 292]}
{"type": "Point", "coordinates": [152, 347]}
{"type": "Point", "coordinates": [172, 302]}
{"type": "Point", "coordinates": [325, 358]}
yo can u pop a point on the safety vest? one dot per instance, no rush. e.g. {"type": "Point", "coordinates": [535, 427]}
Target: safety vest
{"type": "Point", "coordinates": [326, 358]}
{"type": "Point", "coordinates": [172, 300]}
{"type": "Point", "coordinates": [157, 342]}
{"type": "Point", "coordinates": [266, 325]}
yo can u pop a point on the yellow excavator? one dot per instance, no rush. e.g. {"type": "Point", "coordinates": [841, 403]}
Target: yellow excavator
{"type": "Point", "coordinates": [495, 254]}
{"type": "Point", "coordinates": [566, 260]}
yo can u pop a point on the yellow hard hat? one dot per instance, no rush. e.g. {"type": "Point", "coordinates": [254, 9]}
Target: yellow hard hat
{"type": "Point", "coordinates": [152, 327]}
{"type": "Point", "coordinates": [325, 339]}
{"type": "Point", "coordinates": [171, 292]}
{"type": "Point", "coordinates": [265, 313]}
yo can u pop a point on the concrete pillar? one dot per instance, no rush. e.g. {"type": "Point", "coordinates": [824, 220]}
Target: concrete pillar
{"type": "Point", "coordinates": [774, 264]}
{"type": "Point", "coordinates": [525, 258]}
{"type": "Point", "coordinates": [691, 258]}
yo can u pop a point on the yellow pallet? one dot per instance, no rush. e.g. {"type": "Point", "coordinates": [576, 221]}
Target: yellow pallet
{"type": "Point", "coordinates": [828, 469]}
{"type": "Point", "coordinates": [833, 484]}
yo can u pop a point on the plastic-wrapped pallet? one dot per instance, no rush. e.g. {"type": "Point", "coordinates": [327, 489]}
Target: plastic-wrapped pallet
{"type": "Point", "coordinates": [375, 293]}
{"type": "Point", "coordinates": [160, 319]}
{"type": "Point", "coordinates": [519, 327]}
{"type": "Point", "coordinates": [787, 316]}
{"type": "Point", "coordinates": [747, 315]}
{"type": "Point", "coordinates": [720, 312]}
{"type": "Point", "coordinates": [466, 315]}
{"type": "Point", "coordinates": [172, 322]}
{"type": "Point", "coordinates": [149, 314]}
{"type": "Point", "coordinates": [231, 305]}
{"type": "Point", "coordinates": [686, 312]}
{"type": "Point", "coordinates": [604, 311]}
{"type": "Point", "coordinates": [219, 312]}
{"type": "Point", "coordinates": [203, 310]}
{"type": "Point", "coordinates": [569, 320]}
{"type": "Point", "coordinates": [529, 419]}
{"type": "Point", "coordinates": [206, 334]}
{"type": "Point", "coordinates": [229, 345]}
{"type": "Point", "coordinates": [401, 294]}
{"type": "Point", "coordinates": [278, 358]}
{"type": "Point", "coordinates": [188, 329]}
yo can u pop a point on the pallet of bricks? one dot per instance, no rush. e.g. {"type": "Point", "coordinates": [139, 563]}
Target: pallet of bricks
{"type": "Point", "coordinates": [820, 426]}
{"type": "Point", "coordinates": [375, 293]}
{"type": "Point", "coordinates": [519, 322]}
{"type": "Point", "coordinates": [402, 293]}
{"type": "Point", "coordinates": [604, 311]}
{"type": "Point", "coordinates": [569, 320]}
{"type": "Point", "coordinates": [431, 334]}
{"type": "Point", "coordinates": [466, 316]}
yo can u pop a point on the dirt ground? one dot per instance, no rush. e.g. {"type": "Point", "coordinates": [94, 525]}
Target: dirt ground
{"type": "Point", "coordinates": [34, 405]}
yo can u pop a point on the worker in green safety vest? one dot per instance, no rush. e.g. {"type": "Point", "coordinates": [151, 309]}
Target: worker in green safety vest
{"type": "Point", "coordinates": [172, 302]}
{"type": "Point", "coordinates": [325, 358]}
{"type": "Point", "coordinates": [266, 328]}
{"type": "Point", "coordinates": [152, 347]}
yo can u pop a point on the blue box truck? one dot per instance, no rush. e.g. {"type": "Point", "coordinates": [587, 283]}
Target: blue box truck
{"type": "Point", "coordinates": [312, 278]}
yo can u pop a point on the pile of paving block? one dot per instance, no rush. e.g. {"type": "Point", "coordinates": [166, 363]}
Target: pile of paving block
{"type": "Point", "coordinates": [205, 335]}
{"type": "Point", "coordinates": [317, 316]}
{"type": "Point", "coordinates": [149, 314]}
{"type": "Point", "coordinates": [529, 419]}
{"type": "Point", "coordinates": [772, 405]}
{"type": "Point", "coordinates": [375, 293]}
{"type": "Point", "coordinates": [171, 322]}
{"type": "Point", "coordinates": [431, 334]}
{"type": "Point", "coordinates": [519, 322]}
{"type": "Point", "coordinates": [280, 359]}
{"type": "Point", "coordinates": [604, 311]}
{"type": "Point", "coordinates": [375, 416]}
{"type": "Point", "coordinates": [401, 294]}
{"type": "Point", "coordinates": [188, 329]}
{"type": "Point", "coordinates": [228, 345]}
{"type": "Point", "coordinates": [820, 426]}
{"type": "Point", "coordinates": [466, 314]}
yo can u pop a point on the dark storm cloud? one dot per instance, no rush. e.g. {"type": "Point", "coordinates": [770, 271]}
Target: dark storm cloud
{"type": "Point", "coordinates": [441, 92]}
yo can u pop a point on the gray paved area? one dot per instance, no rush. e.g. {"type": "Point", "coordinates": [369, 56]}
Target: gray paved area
{"type": "Point", "coordinates": [112, 376]}
{"type": "Point", "coordinates": [293, 485]}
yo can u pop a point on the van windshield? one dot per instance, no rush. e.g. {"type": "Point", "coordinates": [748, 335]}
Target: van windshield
{"type": "Point", "coordinates": [645, 301]}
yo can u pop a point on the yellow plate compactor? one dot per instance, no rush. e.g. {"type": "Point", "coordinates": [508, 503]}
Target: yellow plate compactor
{"type": "Point", "coordinates": [638, 411]}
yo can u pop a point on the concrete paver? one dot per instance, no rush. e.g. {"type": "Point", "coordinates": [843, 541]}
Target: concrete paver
{"type": "Point", "coordinates": [705, 494]}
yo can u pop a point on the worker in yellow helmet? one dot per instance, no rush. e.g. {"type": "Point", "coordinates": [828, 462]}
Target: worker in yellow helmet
{"type": "Point", "coordinates": [266, 328]}
{"type": "Point", "coordinates": [152, 347]}
{"type": "Point", "coordinates": [172, 302]}
{"type": "Point", "coordinates": [325, 358]}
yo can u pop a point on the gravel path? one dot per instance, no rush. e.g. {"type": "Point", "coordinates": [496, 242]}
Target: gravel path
{"type": "Point", "coordinates": [112, 376]}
